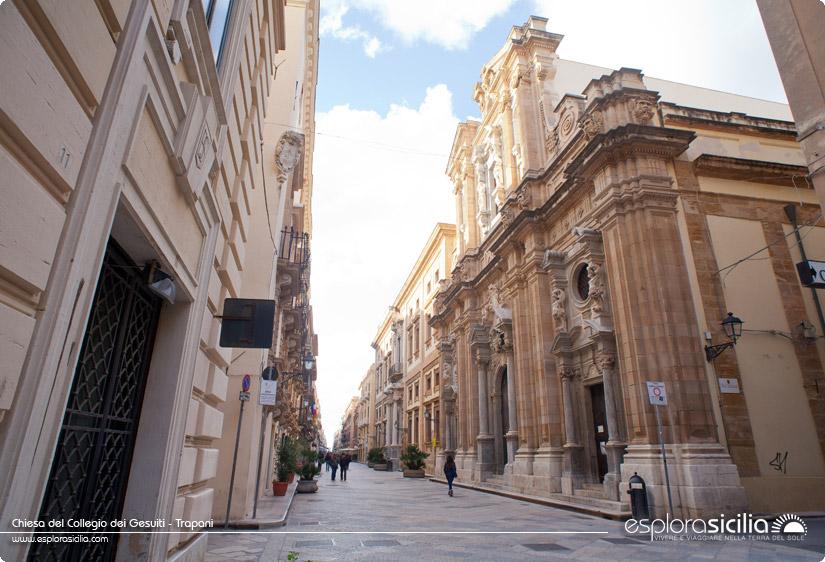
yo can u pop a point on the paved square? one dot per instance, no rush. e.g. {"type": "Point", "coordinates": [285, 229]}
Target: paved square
{"type": "Point", "coordinates": [381, 516]}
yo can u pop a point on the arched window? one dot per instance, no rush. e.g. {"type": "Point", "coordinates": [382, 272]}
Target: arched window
{"type": "Point", "coordinates": [583, 282]}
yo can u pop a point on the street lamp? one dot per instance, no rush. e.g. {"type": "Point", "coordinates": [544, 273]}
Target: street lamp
{"type": "Point", "coordinates": [733, 330]}
{"type": "Point", "coordinates": [309, 361]}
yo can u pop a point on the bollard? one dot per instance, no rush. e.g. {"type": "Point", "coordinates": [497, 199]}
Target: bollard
{"type": "Point", "coordinates": [638, 497]}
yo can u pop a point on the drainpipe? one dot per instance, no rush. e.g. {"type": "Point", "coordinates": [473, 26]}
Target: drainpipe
{"type": "Point", "coordinates": [790, 211]}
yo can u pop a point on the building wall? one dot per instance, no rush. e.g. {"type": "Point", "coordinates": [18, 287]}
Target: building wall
{"type": "Point", "coordinates": [286, 109]}
{"type": "Point", "coordinates": [595, 226]}
{"type": "Point", "coordinates": [105, 133]}
{"type": "Point", "coordinates": [407, 354]}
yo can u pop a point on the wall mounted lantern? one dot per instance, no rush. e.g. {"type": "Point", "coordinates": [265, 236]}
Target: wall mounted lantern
{"type": "Point", "coordinates": [309, 361]}
{"type": "Point", "coordinates": [733, 330]}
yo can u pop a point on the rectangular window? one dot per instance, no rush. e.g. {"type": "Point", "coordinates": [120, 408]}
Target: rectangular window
{"type": "Point", "coordinates": [217, 14]}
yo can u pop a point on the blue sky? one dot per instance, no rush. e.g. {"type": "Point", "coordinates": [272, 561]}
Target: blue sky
{"type": "Point", "coordinates": [402, 69]}
{"type": "Point", "coordinates": [395, 78]}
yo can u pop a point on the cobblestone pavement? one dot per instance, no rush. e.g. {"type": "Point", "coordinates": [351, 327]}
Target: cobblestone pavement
{"type": "Point", "coordinates": [341, 521]}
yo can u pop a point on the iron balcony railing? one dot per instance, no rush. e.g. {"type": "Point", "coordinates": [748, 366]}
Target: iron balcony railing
{"type": "Point", "coordinates": [294, 247]}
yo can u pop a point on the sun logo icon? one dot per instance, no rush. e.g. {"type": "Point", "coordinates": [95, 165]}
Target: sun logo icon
{"type": "Point", "coordinates": [789, 523]}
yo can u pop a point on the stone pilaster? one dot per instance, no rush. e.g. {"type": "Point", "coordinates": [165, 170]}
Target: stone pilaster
{"type": "Point", "coordinates": [615, 445]}
{"type": "Point", "coordinates": [480, 347]}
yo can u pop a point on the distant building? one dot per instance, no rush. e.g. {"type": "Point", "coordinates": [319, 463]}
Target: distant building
{"type": "Point", "coordinates": [402, 385]}
{"type": "Point", "coordinates": [607, 223]}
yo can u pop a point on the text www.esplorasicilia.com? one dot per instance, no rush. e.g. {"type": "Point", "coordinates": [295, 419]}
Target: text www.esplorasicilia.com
{"type": "Point", "coordinates": [60, 538]}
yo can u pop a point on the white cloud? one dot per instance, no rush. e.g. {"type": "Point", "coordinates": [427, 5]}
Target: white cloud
{"type": "Point", "coordinates": [449, 23]}
{"type": "Point", "coordinates": [719, 45]}
{"type": "Point", "coordinates": [379, 188]}
{"type": "Point", "coordinates": [332, 24]}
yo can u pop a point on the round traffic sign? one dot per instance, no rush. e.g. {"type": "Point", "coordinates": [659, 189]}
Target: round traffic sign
{"type": "Point", "coordinates": [246, 383]}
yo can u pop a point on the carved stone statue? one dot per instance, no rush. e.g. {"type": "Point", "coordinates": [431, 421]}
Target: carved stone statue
{"type": "Point", "coordinates": [498, 340]}
{"type": "Point", "coordinates": [558, 309]}
{"type": "Point", "coordinates": [596, 285]}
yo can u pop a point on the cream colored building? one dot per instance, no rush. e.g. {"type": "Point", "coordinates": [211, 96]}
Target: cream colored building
{"type": "Point", "coordinates": [278, 257]}
{"type": "Point", "coordinates": [366, 414]}
{"type": "Point", "coordinates": [138, 137]}
{"type": "Point", "coordinates": [401, 388]}
{"type": "Point", "coordinates": [608, 222]}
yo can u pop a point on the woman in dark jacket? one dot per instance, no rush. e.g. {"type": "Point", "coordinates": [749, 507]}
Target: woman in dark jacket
{"type": "Point", "coordinates": [450, 472]}
{"type": "Point", "coordinates": [334, 464]}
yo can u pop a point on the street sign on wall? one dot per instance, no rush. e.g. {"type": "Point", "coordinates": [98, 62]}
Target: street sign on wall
{"type": "Point", "coordinates": [656, 393]}
{"type": "Point", "coordinates": [268, 393]}
{"type": "Point", "coordinates": [812, 273]}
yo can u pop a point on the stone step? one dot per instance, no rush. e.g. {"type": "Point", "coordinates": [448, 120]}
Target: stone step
{"type": "Point", "coordinates": [590, 492]}
{"type": "Point", "coordinates": [593, 486]}
{"type": "Point", "coordinates": [583, 504]}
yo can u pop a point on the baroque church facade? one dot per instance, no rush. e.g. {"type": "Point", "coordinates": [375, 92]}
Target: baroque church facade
{"type": "Point", "coordinates": [598, 214]}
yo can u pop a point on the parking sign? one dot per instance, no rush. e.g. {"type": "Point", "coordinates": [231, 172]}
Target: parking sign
{"type": "Point", "coordinates": [656, 393]}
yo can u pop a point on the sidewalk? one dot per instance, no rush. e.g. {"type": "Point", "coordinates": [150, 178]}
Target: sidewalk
{"type": "Point", "coordinates": [272, 510]}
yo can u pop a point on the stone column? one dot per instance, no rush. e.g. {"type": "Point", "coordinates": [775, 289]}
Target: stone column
{"type": "Point", "coordinates": [573, 463]}
{"type": "Point", "coordinates": [459, 215]}
{"type": "Point", "coordinates": [507, 158]}
{"type": "Point", "coordinates": [512, 432]}
{"type": "Point", "coordinates": [484, 440]}
{"type": "Point", "coordinates": [615, 445]}
{"type": "Point", "coordinates": [387, 429]}
{"type": "Point", "coordinates": [568, 403]}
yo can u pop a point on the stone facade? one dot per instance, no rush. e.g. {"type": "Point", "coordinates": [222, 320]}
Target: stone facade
{"type": "Point", "coordinates": [278, 255]}
{"type": "Point", "coordinates": [141, 126]}
{"type": "Point", "coordinates": [597, 228]}
{"type": "Point", "coordinates": [399, 402]}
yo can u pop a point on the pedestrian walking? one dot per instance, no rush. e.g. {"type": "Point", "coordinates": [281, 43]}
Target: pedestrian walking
{"type": "Point", "coordinates": [328, 460]}
{"type": "Point", "coordinates": [345, 460]}
{"type": "Point", "coordinates": [450, 472]}
{"type": "Point", "coordinates": [334, 464]}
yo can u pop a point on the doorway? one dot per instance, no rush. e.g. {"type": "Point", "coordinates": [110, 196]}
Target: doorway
{"type": "Point", "coordinates": [90, 467]}
{"type": "Point", "coordinates": [599, 428]}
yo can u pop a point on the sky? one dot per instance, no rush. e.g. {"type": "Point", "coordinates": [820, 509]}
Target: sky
{"type": "Point", "coordinates": [396, 76]}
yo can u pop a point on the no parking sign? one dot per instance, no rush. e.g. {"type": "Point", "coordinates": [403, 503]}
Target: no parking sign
{"type": "Point", "coordinates": [656, 393]}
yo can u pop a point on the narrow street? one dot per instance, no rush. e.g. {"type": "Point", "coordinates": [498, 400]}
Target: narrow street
{"type": "Point", "coordinates": [340, 523]}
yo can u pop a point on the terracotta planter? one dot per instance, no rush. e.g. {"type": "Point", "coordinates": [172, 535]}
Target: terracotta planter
{"type": "Point", "coordinates": [279, 488]}
{"type": "Point", "coordinates": [307, 487]}
{"type": "Point", "coordinates": [419, 473]}
{"type": "Point", "coordinates": [379, 466]}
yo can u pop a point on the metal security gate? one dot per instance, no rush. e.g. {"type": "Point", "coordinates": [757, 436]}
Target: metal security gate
{"type": "Point", "coordinates": [90, 469]}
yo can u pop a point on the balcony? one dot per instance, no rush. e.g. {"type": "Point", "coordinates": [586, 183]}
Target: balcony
{"type": "Point", "coordinates": [294, 247]}
{"type": "Point", "coordinates": [396, 372]}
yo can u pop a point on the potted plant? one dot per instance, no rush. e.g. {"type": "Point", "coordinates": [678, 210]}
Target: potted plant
{"type": "Point", "coordinates": [285, 467]}
{"type": "Point", "coordinates": [413, 459]}
{"type": "Point", "coordinates": [376, 456]}
{"type": "Point", "coordinates": [307, 471]}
